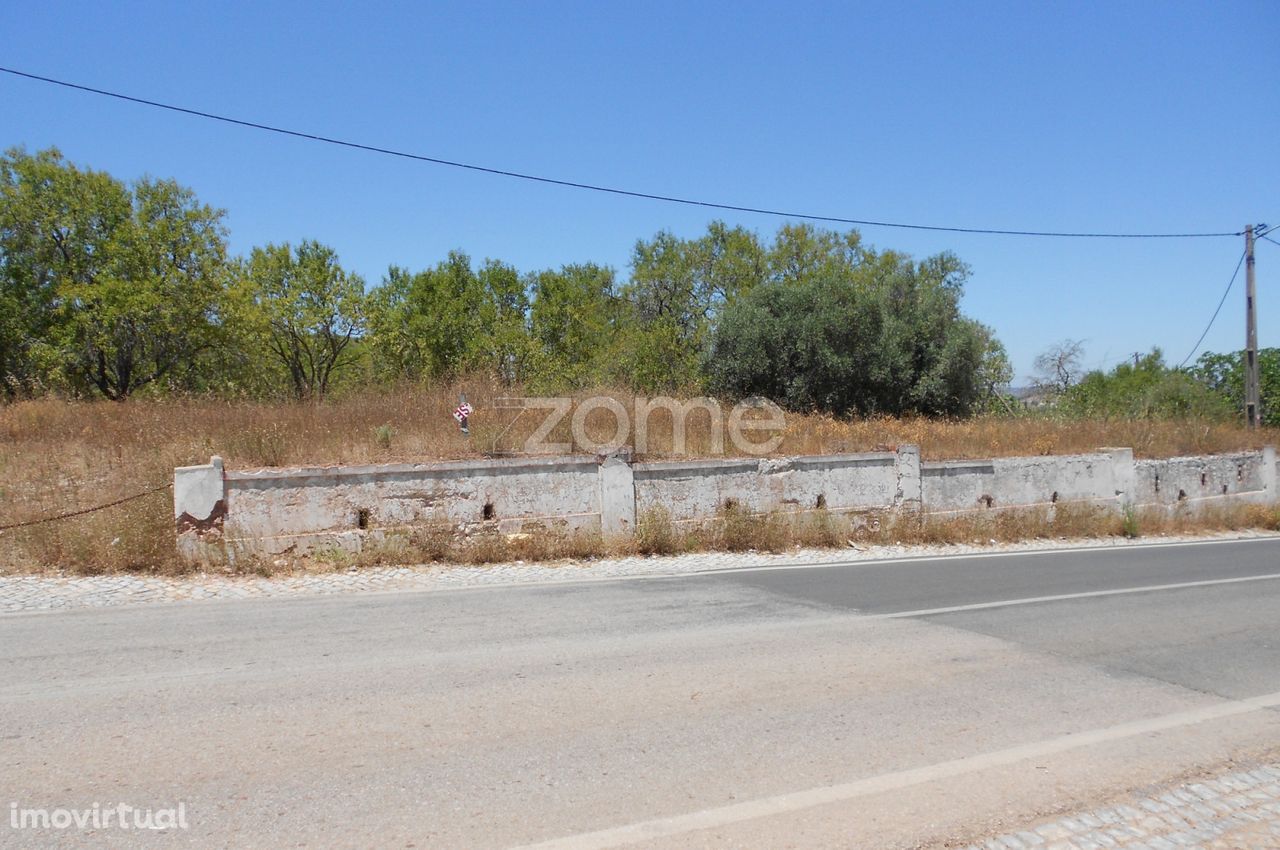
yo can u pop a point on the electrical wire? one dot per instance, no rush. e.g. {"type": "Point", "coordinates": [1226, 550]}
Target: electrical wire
{"type": "Point", "coordinates": [574, 184]}
{"type": "Point", "coordinates": [1214, 317]}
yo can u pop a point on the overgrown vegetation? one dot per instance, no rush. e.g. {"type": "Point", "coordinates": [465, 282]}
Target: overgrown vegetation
{"type": "Point", "coordinates": [736, 530]}
{"type": "Point", "coordinates": [113, 292]}
{"type": "Point", "coordinates": [57, 456]}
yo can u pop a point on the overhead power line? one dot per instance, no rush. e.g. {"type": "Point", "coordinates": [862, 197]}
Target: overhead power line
{"type": "Point", "coordinates": [1214, 317]}
{"type": "Point", "coordinates": [573, 184]}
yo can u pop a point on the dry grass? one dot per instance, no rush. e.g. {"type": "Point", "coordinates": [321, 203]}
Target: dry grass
{"type": "Point", "coordinates": [736, 530]}
{"type": "Point", "coordinates": [57, 456]}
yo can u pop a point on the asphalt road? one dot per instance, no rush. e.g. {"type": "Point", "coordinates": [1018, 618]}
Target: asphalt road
{"type": "Point", "coordinates": [893, 704]}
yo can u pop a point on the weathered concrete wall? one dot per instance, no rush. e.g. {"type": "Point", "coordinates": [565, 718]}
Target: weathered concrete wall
{"type": "Point", "coordinates": [200, 509]}
{"type": "Point", "coordinates": [1103, 478]}
{"type": "Point", "coordinates": [1207, 480]}
{"type": "Point", "coordinates": [957, 485]}
{"type": "Point", "coordinates": [697, 489]}
{"type": "Point", "coordinates": [219, 513]}
{"type": "Point", "coordinates": [277, 510]}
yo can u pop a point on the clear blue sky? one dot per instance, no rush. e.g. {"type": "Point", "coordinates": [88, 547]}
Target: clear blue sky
{"type": "Point", "coordinates": [1070, 116]}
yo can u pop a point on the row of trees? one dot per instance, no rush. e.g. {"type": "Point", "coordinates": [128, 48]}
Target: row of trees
{"type": "Point", "coordinates": [1149, 388]}
{"type": "Point", "coordinates": [112, 289]}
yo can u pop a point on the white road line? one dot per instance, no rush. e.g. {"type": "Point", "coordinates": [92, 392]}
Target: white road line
{"type": "Point", "coordinates": [799, 800]}
{"type": "Point", "coordinates": [1089, 594]}
{"type": "Point", "coordinates": [820, 565]}
{"type": "Point", "coordinates": [962, 556]}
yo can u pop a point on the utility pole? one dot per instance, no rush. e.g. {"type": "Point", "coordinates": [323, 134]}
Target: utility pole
{"type": "Point", "coordinates": [1252, 382]}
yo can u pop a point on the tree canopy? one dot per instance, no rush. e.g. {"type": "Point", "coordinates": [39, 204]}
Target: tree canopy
{"type": "Point", "coordinates": [111, 289]}
{"type": "Point", "coordinates": [843, 329]}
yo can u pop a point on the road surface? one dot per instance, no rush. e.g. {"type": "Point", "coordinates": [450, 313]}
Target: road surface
{"type": "Point", "coordinates": [917, 703]}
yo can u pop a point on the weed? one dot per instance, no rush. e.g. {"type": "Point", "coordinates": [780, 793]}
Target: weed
{"type": "Point", "coordinates": [383, 434]}
{"type": "Point", "coordinates": [655, 533]}
{"type": "Point", "coordinates": [1131, 527]}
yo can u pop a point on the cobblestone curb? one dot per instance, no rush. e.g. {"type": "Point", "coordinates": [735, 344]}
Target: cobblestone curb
{"type": "Point", "coordinates": [1238, 811]}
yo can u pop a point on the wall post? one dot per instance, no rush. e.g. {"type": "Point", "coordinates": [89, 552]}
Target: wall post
{"type": "Point", "coordinates": [200, 509]}
{"type": "Point", "coordinates": [1125, 472]}
{"type": "Point", "coordinates": [910, 491]}
{"type": "Point", "coordinates": [617, 492]}
{"type": "Point", "coordinates": [1269, 475]}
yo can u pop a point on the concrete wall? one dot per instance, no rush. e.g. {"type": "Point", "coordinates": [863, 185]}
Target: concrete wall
{"type": "Point", "coordinates": [219, 513]}
{"type": "Point", "coordinates": [694, 490]}
{"type": "Point", "coordinates": [1207, 480]}
{"type": "Point", "coordinates": [1018, 482]}
{"type": "Point", "coordinates": [271, 511]}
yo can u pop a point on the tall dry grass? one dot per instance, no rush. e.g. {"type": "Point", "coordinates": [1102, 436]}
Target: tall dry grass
{"type": "Point", "coordinates": [735, 530]}
{"type": "Point", "coordinates": [57, 456]}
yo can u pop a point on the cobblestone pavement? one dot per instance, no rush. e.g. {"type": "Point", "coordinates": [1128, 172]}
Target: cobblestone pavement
{"type": "Point", "coordinates": [42, 592]}
{"type": "Point", "coordinates": [1237, 811]}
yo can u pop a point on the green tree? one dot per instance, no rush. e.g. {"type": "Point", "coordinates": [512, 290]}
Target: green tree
{"type": "Point", "coordinates": [501, 342]}
{"type": "Point", "coordinates": [1146, 390]}
{"type": "Point", "coordinates": [105, 287]}
{"type": "Point", "coordinates": [306, 310]}
{"type": "Point", "coordinates": [398, 352]}
{"type": "Point", "coordinates": [573, 321]}
{"type": "Point", "coordinates": [1224, 373]}
{"type": "Point", "coordinates": [994, 374]}
{"type": "Point", "coordinates": [677, 292]}
{"type": "Point", "coordinates": [450, 319]}
{"type": "Point", "coordinates": [842, 329]}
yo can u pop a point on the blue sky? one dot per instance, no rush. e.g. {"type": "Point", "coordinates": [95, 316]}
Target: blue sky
{"type": "Point", "coordinates": [1065, 116]}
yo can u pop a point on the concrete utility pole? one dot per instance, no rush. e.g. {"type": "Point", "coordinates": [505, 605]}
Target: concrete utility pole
{"type": "Point", "coordinates": [1252, 382]}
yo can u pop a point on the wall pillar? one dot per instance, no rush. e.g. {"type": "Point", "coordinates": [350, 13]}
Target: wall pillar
{"type": "Point", "coordinates": [1269, 475]}
{"type": "Point", "coordinates": [1125, 473]}
{"type": "Point", "coordinates": [910, 491]}
{"type": "Point", "coordinates": [617, 492]}
{"type": "Point", "coordinates": [200, 509]}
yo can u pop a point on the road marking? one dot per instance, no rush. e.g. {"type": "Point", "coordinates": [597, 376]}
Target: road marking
{"type": "Point", "coordinates": [962, 556]}
{"type": "Point", "coordinates": [818, 565]}
{"type": "Point", "coordinates": [795, 801]}
{"type": "Point", "coordinates": [1089, 594]}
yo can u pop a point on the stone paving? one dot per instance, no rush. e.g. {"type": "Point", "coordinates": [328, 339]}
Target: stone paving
{"type": "Point", "coordinates": [42, 592]}
{"type": "Point", "coordinates": [1237, 811]}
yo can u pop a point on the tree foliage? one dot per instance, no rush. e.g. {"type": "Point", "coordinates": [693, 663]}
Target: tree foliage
{"type": "Point", "coordinates": [108, 288]}
{"type": "Point", "coordinates": [306, 311]}
{"type": "Point", "coordinates": [105, 286]}
{"type": "Point", "coordinates": [1224, 373]}
{"type": "Point", "coordinates": [1148, 389]}
{"type": "Point", "coordinates": [843, 329]}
